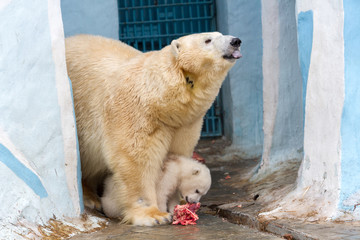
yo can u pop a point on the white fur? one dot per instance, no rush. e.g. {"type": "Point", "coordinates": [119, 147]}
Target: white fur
{"type": "Point", "coordinates": [181, 177]}
{"type": "Point", "coordinates": [133, 108]}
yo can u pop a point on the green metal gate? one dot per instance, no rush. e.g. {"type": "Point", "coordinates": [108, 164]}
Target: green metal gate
{"type": "Point", "coordinates": [152, 24]}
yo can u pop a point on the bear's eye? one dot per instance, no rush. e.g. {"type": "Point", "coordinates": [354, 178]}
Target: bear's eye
{"type": "Point", "coordinates": [208, 41]}
{"type": "Point", "coordinates": [197, 191]}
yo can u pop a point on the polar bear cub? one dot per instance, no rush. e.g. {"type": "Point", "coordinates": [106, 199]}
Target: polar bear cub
{"type": "Point", "coordinates": [185, 177]}
{"type": "Point", "coordinates": [181, 177]}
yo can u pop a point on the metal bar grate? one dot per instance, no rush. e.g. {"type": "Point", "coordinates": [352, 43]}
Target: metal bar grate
{"type": "Point", "coordinates": [152, 24]}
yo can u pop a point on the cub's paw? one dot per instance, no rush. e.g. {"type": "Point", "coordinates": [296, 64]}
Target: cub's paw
{"type": "Point", "coordinates": [149, 216]}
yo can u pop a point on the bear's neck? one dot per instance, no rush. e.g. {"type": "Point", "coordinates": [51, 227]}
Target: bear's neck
{"type": "Point", "coordinates": [187, 96]}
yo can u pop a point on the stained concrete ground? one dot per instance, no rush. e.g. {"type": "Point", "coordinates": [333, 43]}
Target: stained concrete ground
{"type": "Point", "coordinates": [208, 227]}
{"type": "Point", "coordinates": [231, 207]}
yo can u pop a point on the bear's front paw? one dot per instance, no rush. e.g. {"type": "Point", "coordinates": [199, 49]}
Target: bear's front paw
{"type": "Point", "coordinates": [149, 216]}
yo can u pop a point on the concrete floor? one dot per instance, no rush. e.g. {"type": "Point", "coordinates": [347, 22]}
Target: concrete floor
{"type": "Point", "coordinates": [208, 227]}
{"type": "Point", "coordinates": [233, 199]}
{"type": "Point", "coordinates": [240, 201]}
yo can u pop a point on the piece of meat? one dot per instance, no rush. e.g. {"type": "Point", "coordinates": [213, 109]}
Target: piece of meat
{"type": "Point", "coordinates": [186, 214]}
{"type": "Point", "coordinates": [197, 157]}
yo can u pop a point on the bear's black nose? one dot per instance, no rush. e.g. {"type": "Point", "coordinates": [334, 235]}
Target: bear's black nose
{"type": "Point", "coordinates": [235, 42]}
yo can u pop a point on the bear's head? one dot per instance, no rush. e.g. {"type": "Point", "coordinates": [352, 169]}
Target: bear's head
{"type": "Point", "coordinates": [206, 52]}
{"type": "Point", "coordinates": [195, 183]}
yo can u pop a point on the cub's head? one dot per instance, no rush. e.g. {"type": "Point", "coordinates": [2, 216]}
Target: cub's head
{"type": "Point", "coordinates": [206, 52]}
{"type": "Point", "coordinates": [195, 182]}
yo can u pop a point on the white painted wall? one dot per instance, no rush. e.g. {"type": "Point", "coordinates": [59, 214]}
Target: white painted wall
{"type": "Point", "coordinates": [39, 162]}
{"type": "Point", "coordinates": [271, 70]}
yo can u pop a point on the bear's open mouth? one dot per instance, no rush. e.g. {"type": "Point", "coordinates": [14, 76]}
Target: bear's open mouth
{"type": "Point", "coordinates": [234, 55]}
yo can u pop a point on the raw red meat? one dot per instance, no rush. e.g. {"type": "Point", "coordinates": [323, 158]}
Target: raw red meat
{"type": "Point", "coordinates": [197, 157]}
{"type": "Point", "coordinates": [186, 214]}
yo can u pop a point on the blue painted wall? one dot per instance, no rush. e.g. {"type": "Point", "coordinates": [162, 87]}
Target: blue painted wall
{"type": "Point", "coordinates": [350, 125]}
{"type": "Point", "coordinates": [90, 17]}
{"type": "Point", "coordinates": [23, 172]}
{"type": "Point", "coordinates": [242, 91]}
{"type": "Point", "coordinates": [305, 39]}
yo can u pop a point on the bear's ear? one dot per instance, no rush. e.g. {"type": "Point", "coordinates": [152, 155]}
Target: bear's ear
{"type": "Point", "coordinates": [195, 171]}
{"type": "Point", "coordinates": [175, 47]}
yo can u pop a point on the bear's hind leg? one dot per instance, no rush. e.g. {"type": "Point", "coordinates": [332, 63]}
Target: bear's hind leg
{"type": "Point", "coordinates": [91, 199]}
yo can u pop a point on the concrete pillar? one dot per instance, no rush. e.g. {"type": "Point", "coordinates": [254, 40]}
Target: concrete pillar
{"type": "Point", "coordinates": [319, 175]}
{"type": "Point", "coordinates": [39, 163]}
{"type": "Point", "coordinates": [328, 184]}
{"type": "Point", "coordinates": [282, 86]}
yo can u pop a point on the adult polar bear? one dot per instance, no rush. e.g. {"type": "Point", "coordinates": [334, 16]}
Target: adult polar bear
{"type": "Point", "coordinates": [134, 108]}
